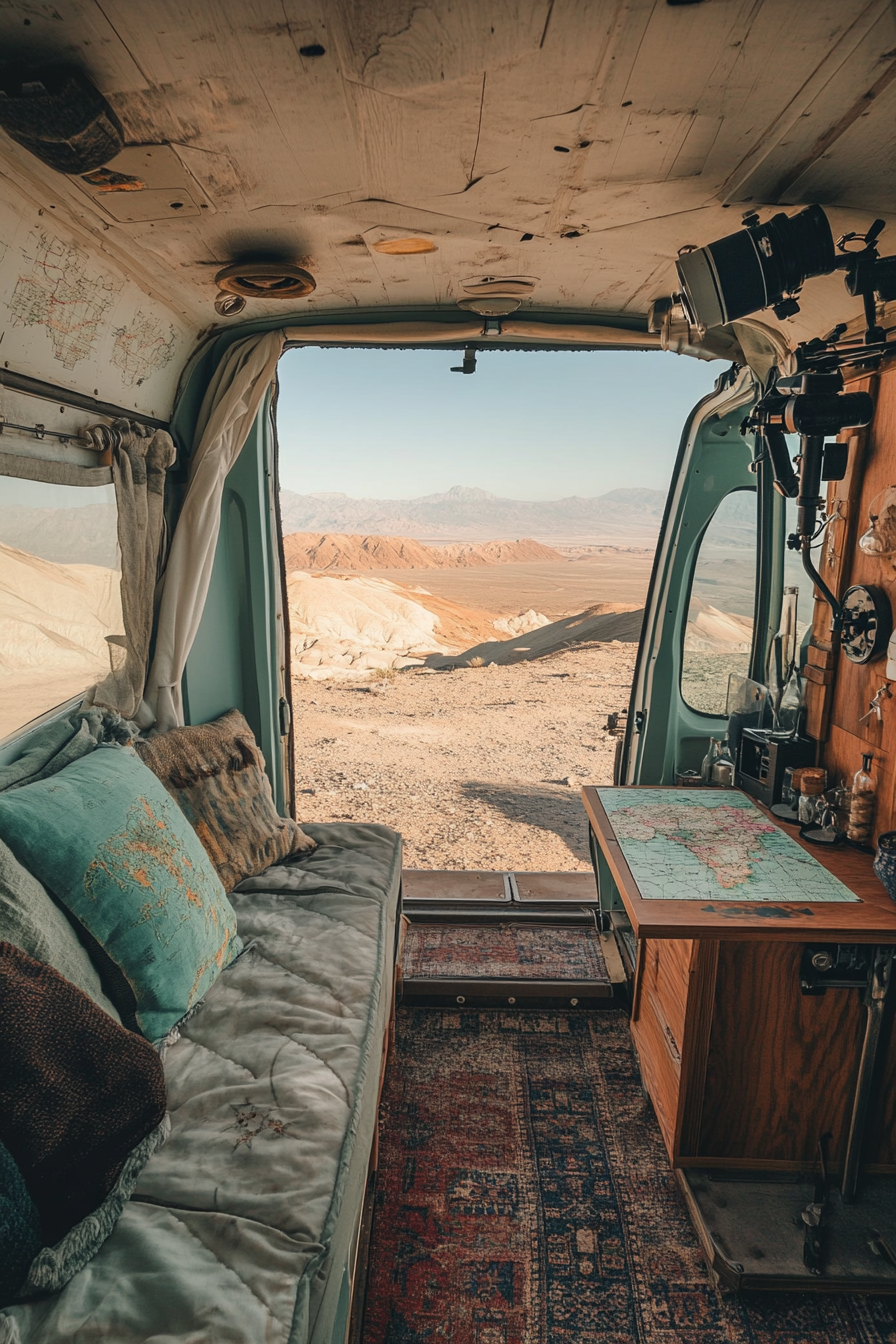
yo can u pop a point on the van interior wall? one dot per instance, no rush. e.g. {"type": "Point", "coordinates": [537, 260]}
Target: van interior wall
{"type": "Point", "coordinates": [836, 709]}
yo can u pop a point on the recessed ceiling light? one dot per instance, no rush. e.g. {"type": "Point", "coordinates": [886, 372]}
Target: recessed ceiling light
{"type": "Point", "coordinates": [404, 247]}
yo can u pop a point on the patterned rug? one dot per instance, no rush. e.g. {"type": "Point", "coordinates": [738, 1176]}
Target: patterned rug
{"type": "Point", "coordinates": [515, 951]}
{"type": "Point", "coordinates": [524, 1197]}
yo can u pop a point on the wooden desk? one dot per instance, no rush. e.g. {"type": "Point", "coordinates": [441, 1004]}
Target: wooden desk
{"type": "Point", "coordinates": [744, 1070]}
{"type": "Point", "coordinates": [872, 919]}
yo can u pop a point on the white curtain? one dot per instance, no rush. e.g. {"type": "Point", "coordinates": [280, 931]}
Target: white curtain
{"type": "Point", "coordinates": [228, 412]}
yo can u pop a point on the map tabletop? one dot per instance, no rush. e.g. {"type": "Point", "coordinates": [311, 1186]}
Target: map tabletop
{"type": "Point", "coordinates": [709, 844]}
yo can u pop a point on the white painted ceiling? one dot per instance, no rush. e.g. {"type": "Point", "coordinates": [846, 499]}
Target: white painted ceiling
{"type": "Point", "coordinates": [579, 142]}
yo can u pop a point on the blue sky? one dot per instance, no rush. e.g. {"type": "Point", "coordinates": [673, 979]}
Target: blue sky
{"type": "Point", "coordinates": [393, 424]}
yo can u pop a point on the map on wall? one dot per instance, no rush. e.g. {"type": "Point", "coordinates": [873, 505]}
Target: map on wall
{"type": "Point", "coordinates": [78, 319]}
{"type": "Point", "coordinates": [60, 292]}
{"type": "Point", "coordinates": [141, 347]}
{"type": "Point", "coordinates": [708, 844]}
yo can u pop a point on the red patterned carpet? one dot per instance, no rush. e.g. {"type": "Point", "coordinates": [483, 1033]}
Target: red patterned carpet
{"type": "Point", "coordinates": [524, 1197]}
{"type": "Point", "coordinates": [520, 951]}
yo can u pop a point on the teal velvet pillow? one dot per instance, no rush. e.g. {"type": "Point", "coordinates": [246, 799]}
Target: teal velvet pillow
{"type": "Point", "coordinates": [106, 838]}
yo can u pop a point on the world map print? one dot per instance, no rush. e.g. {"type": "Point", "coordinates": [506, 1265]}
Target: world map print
{"type": "Point", "coordinates": [61, 293]}
{"type": "Point", "coordinates": [712, 845]}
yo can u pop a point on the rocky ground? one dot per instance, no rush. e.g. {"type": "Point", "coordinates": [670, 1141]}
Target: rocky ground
{"type": "Point", "coordinates": [478, 767]}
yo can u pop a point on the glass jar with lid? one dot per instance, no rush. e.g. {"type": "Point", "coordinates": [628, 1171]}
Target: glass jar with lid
{"type": "Point", "coordinates": [813, 782]}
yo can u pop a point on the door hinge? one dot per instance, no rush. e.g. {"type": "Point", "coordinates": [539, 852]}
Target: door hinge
{"type": "Point", "coordinates": [285, 717]}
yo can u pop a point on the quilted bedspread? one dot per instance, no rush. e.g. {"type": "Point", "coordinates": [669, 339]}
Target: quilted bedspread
{"type": "Point", "coordinates": [241, 1225]}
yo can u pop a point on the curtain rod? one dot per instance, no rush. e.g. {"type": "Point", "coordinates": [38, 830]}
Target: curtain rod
{"type": "Point", "coordinates": [35, 387]}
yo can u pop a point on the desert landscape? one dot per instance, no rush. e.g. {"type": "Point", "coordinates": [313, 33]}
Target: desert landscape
{"type": "Point", "coordinates": [452, 680]}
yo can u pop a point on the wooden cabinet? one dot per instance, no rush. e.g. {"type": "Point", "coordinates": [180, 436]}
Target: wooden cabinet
{"type": "Point", "coordinates": [743, 1069]}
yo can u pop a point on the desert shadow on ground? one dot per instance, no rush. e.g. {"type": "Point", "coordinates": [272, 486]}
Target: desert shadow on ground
{"type": "Point", "coordinates": [544, 808]}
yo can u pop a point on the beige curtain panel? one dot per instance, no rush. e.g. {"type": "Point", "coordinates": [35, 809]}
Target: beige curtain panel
{"type": "Point", "coordinates": [140, 459]}
{"type": "Point", "coordinates": [228, 412]}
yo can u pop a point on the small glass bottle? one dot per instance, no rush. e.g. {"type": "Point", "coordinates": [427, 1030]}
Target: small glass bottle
{"type": "Point", "coordinates": [790, 709]}
{"type": "Point", "coordinates": [861, 808]}
{"type": "Point", "coordinates": [709, 761]}
{"type": "Point", "coordinates": [722, 771]}
{"type": "Point", "coordinates": [812, 786]}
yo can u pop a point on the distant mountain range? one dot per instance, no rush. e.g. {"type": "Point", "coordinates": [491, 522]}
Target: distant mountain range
{"type": "Point", "coordinates": [620, 517]}
{"type": "Point", "coordinates": [81, 536]}
{"type": "Point", "coordinates": [87, 535]}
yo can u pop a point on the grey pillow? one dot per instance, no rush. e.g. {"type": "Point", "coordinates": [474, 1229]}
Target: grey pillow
{"type": "Point", "coordinates": [31, 920]}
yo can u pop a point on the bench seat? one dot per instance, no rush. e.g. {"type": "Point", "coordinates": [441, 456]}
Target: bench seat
{"type": "Point", "coordinates": [243, 1225]}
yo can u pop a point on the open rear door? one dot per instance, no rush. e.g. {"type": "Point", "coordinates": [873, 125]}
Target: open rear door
{"type": "Point", "coordinates": [714, 594]}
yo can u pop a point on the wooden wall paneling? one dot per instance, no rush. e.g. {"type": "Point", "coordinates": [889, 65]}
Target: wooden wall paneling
{"type": "Point", "coordinates": [832, 560]}
{"type": "Point", "coordinates": [871, 468]}
{"type": "Point", "coordinates": [781, 1065]}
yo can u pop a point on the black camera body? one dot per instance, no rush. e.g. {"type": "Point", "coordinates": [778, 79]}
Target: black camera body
{"type": "Point", "coordinates": [755, 268]}
{"type": "Point", "coordinates": [766, 265]}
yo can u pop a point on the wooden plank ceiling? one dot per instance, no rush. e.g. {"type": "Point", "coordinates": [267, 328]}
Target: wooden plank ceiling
{"type": "Point", "coordinates": [578, 142]}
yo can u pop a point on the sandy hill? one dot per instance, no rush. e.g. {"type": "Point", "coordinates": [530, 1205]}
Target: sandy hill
{"type": "Point", "coordinates": [345, 626]}
{"type": "Point", "coordinates": [53, 625]}
{"type": "Point", "coordinates": [340, 550]}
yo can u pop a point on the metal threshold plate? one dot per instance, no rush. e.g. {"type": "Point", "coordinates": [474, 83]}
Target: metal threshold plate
{"type": "Point", "coordinates": [554, 888]}
{"type": "Point", "coordinates": [465, 886]}
{"type": "Point", "coordinates": [749, 1224]}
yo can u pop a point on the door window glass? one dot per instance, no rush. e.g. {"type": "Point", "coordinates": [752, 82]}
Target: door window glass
{"type": "Point", "coordinates": [719, 630]}
{"type": "Point", "coordinates": [59, 594]}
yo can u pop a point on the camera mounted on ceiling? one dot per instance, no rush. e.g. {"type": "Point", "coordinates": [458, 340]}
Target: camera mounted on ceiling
{"type": "Point", "coordinates": [766, 265]}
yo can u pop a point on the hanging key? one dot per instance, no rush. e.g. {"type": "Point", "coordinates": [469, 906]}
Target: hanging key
{"type": "Point", "coordinates": [874, 709]}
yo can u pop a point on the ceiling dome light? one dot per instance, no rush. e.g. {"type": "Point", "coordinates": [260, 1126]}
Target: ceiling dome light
{"type": "Point", "coordinates": [266, 280]}
{"type": "Point", "coordinates": [485, 306]}
{"type": "Point", "coordinates": [404, 247]}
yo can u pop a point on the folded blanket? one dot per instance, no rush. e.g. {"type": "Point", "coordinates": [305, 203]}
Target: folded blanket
{"type": "Point", "coordinates": [64, 740]}
{"type": "Point", "coordinates": [77, 1091]}
{"type": "Point", "coordinates": [20, 1238]}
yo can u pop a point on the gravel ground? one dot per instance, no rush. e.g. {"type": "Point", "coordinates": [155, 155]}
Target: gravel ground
{"type": "Point", "coordinates": [477, 767]}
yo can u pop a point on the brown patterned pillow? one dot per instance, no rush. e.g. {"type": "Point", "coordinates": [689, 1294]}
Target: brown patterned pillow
{"type": "Point", "coordinates": [215, 772]}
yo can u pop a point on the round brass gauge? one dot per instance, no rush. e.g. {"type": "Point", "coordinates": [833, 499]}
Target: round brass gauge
{"type": "Point", "coordinates": [867, 623]}
{"type": "Point", "coordinates": [266, 280]}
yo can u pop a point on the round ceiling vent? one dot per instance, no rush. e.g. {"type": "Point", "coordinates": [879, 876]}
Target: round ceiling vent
{"type": "Point", "coordinates": [266, 280]}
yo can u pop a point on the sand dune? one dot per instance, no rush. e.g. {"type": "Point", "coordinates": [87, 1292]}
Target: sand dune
{"type": "Point", "coordinates": [347, 626]}
{"type": "Point", "coordinates": [343, 551]}
{"type": "Point", "coordinates": [55, 615]}
{"type": "Point", "coordinates": [710, 630]}
{"type": "Point", "coordinates": [54, 620]}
